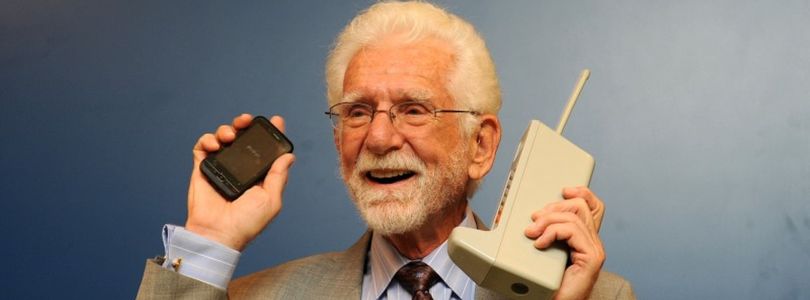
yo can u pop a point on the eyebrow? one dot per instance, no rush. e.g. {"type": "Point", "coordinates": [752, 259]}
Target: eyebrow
{"type": "Point", "coordinates": [351, 97]}
{"type": "Point", "coordinates": [418, 95]}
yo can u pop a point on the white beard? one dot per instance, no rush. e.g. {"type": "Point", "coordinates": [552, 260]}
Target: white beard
{"type": "Point", "coordinates": [403, 210]}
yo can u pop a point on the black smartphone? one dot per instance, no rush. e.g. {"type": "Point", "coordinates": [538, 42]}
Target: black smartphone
{"type": "Point", "coordinates": [237, 167]}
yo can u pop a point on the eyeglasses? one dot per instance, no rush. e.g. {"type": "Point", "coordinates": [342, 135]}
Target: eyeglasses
{"type": "Point", "coordinates": [353, 115]}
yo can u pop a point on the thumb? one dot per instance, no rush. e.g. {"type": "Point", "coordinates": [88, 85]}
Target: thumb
{"type": "Point", "coordinates": [277, 176]}
{"type": "Point", "coordinates": [199, 152]}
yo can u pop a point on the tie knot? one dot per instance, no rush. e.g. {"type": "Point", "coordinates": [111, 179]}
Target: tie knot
{"type": "Point", "coordinates": [417, 277]}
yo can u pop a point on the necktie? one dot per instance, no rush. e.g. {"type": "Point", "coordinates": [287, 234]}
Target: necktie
{"type": "Point", "coordinates": [417, 278]}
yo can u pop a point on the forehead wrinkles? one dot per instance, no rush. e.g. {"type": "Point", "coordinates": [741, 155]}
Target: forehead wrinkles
{"type": "Point", "coordinates": [426, 54]}
{"type": "Point", "coordinates": [395, 70]}
{"type": "Point", "coordinates": [422, 68]}
{"type": "Point", "coordinates": [427, 57]}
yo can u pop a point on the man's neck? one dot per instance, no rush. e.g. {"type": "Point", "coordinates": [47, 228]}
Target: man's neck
{"type": "Point", "coordinates": [418, 244]}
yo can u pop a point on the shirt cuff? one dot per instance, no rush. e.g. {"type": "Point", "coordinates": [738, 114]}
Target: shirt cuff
{"type": "Point", "coordinates": [197, 257]}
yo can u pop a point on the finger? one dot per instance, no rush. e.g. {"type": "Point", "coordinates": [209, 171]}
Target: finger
{"type": "Point", "coordinates": [226, 134]}
{"type": "Point", "coordinates": [555, 232]}
{"type": "Point", "coordinates": [573, 235]}
{"type": "Point", "coordinates": [279, 123]}
{"type": "Point", "coordinates": [587, 232]}
{"type": "Point", "coordinates": [585, 249]}
{"type": "Point", "coordinates": [242, 121]}
{"type": "Point", "coordinates": [571, 205]}
{"type": "Point", "coordinates": [594, 203]}
{"type": "Point", "coordinates": [577, 206]}
{"type": "Point", "coordinates": [277, 176]}
{"type": "Point", "coordinates": [570, 192]}
{"type": "Point", "coordinates": [206, 143]}
{"type": "Point", "coordinates": [538, 226]}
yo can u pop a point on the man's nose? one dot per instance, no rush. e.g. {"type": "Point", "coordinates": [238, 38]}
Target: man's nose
{"type": "Point", "coordinates": [382, 136]}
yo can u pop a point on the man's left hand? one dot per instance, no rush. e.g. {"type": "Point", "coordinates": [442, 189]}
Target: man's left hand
{"type": "Point", "coordinates": [576, 220]}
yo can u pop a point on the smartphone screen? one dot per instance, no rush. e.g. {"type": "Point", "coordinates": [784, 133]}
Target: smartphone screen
{"type": "Point", "coordinates": [250, 153]}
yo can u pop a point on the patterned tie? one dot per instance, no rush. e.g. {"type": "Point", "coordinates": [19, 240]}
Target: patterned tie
{"type": "Point", "coordinates": [417, 278]}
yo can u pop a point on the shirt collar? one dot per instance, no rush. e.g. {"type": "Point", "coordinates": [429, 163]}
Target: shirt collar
{"type": "Point", "coordinates": [385, 261]}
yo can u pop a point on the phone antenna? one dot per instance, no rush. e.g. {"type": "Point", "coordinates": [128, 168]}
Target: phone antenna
{"type": "Point", "coordinates": [583, 77]}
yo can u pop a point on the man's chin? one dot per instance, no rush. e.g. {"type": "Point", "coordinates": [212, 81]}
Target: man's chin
{"type": "Point", "coordinates": [388, 217]}
{"type": "Point", "coordinates": [388, 205]}
{"type": "Point", "coordinates": [382, 204]}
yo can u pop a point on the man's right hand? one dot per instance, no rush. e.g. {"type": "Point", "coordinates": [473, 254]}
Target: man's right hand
{"type": "Point", "coordinates": [234, 224]}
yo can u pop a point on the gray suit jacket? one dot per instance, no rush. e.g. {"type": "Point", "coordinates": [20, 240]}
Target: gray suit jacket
{"type": "Point", "coordinates": [335, 275]}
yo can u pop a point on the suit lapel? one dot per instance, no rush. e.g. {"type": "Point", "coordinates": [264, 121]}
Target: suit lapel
{"type": "Point", "coordinates": [351, 264]}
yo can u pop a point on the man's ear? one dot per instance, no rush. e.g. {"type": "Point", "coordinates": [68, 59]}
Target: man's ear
{"type": "Point", "coordinates": [484, 146]}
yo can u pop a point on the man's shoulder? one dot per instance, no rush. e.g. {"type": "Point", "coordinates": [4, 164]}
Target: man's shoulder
{"type": "Point", "coordinates": [281, 276]}
{"type": "Point", "coordinates": [611, 286]}
{"type": "Point", "coordinates": [334, 273]}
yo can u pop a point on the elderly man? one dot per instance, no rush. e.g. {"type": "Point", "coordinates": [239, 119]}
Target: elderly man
{"type": "Point", "coordinates": [413, 100]}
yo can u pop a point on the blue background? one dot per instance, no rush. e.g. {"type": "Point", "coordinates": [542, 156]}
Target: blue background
{"type": "Point", "coordinates": [697, 113]}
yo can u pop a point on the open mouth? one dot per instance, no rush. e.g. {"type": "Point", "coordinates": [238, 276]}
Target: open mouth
{"type": "Point", "coordinates": [389, 176]}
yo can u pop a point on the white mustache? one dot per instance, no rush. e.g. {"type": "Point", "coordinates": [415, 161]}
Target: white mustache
{"type": "Point", "coordinates": [398, 160]}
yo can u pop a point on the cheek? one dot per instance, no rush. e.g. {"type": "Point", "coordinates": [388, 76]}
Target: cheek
{"type": "Point", "coordinates": [439, 148]}
{"type": "Point", "coordinates": [349, 150]}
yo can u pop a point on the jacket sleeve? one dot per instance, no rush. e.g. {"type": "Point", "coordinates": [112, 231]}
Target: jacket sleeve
{"type": "Point", "coordinates": [162, 283]}
{"type": "Point", "coordinates": [612, 286]}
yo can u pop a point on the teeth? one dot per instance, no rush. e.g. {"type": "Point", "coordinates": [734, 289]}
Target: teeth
{"type": "Point", "coordinates": [387, 173]}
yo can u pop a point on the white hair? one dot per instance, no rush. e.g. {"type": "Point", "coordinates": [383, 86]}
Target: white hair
{"type": "Point", "coordinates": [473, 83]}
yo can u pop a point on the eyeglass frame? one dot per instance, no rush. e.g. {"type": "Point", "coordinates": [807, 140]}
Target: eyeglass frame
{"type": "Point", "coordinates": [390, 112]}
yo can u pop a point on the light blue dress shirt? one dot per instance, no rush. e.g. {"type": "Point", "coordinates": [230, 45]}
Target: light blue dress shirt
{"type": "Point", "coordinates": [384, 262]}
{"type": "Point", "coordinates": [214, 263]}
